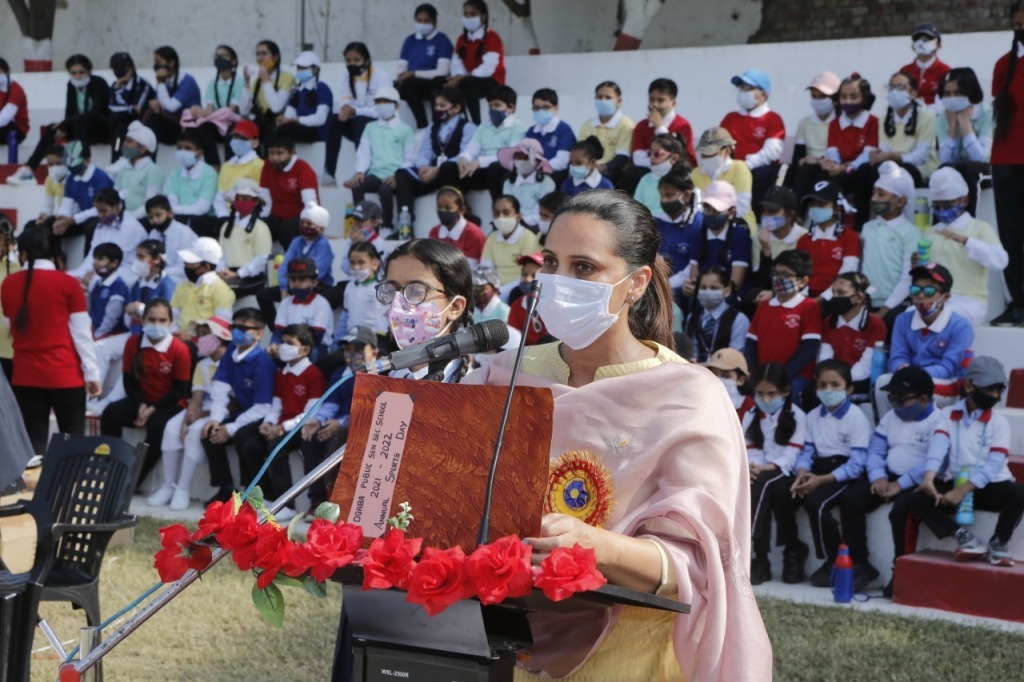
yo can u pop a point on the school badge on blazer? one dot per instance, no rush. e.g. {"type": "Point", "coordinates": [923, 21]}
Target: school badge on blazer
{"type": "Point", "coordinates": [579, 485]}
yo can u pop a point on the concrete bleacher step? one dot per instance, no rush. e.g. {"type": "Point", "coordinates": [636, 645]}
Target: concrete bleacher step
{"type": "Point", "coordinates": [933, 579]}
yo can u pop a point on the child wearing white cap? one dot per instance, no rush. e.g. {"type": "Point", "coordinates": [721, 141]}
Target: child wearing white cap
{"type": "Point", "coordinates": [889, 239]}
{"type": "Point", "coordinates": [136, 176]}
{"type": "Point", "coordinates": [310, 104]}
{"type": "Point", "coordinates": [968, 247]}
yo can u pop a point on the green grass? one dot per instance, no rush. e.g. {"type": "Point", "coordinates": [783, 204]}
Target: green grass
{"type": "Point", "coordinates": [213, 632]}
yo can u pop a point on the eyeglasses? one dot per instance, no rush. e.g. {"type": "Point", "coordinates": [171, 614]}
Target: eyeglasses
{"type": "Point", "coordinates": [923, 291]}
{"type": "Point", "coordinates": [414, 293]}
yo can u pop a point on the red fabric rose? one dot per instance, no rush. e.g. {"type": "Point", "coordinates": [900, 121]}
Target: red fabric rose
{"type": "Point", "coordinates": [179, 553]}
{"type": "Point", "coordinates": [390, 561]}
{"type": "Point", "coordinates": [239, 537]}
{"type": "Point", "coordinates": [501, 570]}
{"type": "Point", "coordinates": [328, 547]}
{"type": "Point", "coordinates": [273, 551]}
{"type": "Point", "coordinates": [439, 580]}
{"type": "Point", "coordinates": [217, 516]}
{"type": "Point", "coordinates": [568, 570]}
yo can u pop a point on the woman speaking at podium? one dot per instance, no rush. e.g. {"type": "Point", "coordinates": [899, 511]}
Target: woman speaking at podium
{"type": "Point", "coordinates": [660, 486]}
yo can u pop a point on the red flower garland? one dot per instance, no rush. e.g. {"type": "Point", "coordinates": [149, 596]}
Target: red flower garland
{"type": "Point", "coordinates": [390, 561]}
{"type": "Point", "coordinates": [568, 570]}
{"type": "Point", "coordinates": [439, 580]}
{"type": "Point", "coordinates": [501, 570]}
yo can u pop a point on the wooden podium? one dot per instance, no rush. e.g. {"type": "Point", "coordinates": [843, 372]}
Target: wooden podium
{"type": "Point", "coordinates": [431, 444]}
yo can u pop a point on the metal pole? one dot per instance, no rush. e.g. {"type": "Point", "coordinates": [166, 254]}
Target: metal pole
{"type": "Point", "coordinates": [88, 638]}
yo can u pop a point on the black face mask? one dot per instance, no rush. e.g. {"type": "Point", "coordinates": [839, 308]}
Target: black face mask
{"type": "Point", "coordinates": [120, 72]}
{"type": "Point", "coordinates": [838, 305]}
{"type": "Point", "coordinates": [716, 222]}
{"type": "Point", "coordinates": [222, 64]}
{"type": "Point", "coordinates": [448, 218]}
{"type": "Point", "coordinates": [672, 208]}
{"type": "Point", "coordinates": [193, 274]}
{"type": "Point", "coordinates": [880, 208]}
{"type": "Point", "coordinates": [984, 401]}
{"type": "Point", "coordinates": [1018, 35]}
{"type": "Point", "coordinates": [356, 69]}
{"type": "Point", "coordinates": [161, 226]}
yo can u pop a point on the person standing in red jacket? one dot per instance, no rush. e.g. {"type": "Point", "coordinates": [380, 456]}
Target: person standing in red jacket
{"type": "Point", "coordinates": [1008, 165]}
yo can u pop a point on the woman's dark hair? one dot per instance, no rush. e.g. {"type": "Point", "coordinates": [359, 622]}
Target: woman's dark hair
{"type": "Point", "coordinates": [4, 66]}
{"type": "Point", "coordinates": [636, 241]}
{"type": "Point", "coordinates": [680, 180]}
{"type": "Point", "coordinates": [966, 80]}
{"type": "Point", "coordinates": [78, 60]}
{"type": "Point", "coordinates": [427, 9]}
{"type": "Point", "coordinates": [910, 127]}
{"type": "Point", "coordinates": [363, 51]}
{"type": "Point", "coordinates": [837, 366]}
{"type": "Point", "coordinates": [864, 86]}
{"type": "Point", "coordinates": [776, 375]}
{"type": "Point", "coordinates": [35, 243]}
{"type": "Point", "coordinates": [718, 271]}
{"type": "Point", "coordinates": [107, 196]}
{"type": "Point", "coordinates": [229, 225]}
{"type": "Point", "coordinates": [231, 52]}
{"type": "Point", "coordinates": [516, 206]}
{"type": "Point", "coordinates": [452, 270]}
{"type": "Point", "coordinates": [481, 7]}
{"type": "Point", "coordinates": [275, 54]}
{"type": "Point", "coordinates": [154, 248]}
{"type": "Point", "coordinates": [121, 59]}
{"type": "Point", "coordinates": [169, 54]}
{"type": "Point", "coordinates": [1003, 106]}
{"type": "Point", "coordinates": [591, 147]}
{"type": "Point", "coordinates": [609, 84]}
{"type": "Point", "coordinates": [302, 332]}
{"type": "Point", "coordinates": [138, 366]}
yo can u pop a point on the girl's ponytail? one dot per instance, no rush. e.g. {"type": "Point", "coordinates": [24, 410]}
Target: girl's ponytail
{"type": "Point", "coordinates": [35, 242]}
{"type": "Point", "coordinates": [787, 423]}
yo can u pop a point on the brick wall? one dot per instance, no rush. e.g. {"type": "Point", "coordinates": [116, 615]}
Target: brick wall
{"type": "Point", "coordinates": [792, 20]}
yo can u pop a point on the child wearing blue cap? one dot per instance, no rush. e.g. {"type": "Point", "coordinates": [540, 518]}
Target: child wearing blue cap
{"type": "Point", "coordinates": [759, 131]}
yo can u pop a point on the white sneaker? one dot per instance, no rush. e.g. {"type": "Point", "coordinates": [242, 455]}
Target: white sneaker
{"type": "Point", "coordinates": [326, 180]}
{"type": "Point", "coordinates": [180, 501]}
{"type": "Point", "coordinates": [35, 462]}
{"type": "Point", "coordinates": [162, 496]}
{"type": "Point", "coordinates": [22, 176]}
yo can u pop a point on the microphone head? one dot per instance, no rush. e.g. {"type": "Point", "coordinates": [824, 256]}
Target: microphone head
{"type": "Point", "coordinates": [490, 335]}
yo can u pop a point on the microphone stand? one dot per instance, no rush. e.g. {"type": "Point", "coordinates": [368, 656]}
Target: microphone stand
{"type": "Point", "coordinates": [533, 296]}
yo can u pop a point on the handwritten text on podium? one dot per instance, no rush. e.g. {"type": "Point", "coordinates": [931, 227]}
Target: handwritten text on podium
{"type": "Point", "coordinates": [382, 459]}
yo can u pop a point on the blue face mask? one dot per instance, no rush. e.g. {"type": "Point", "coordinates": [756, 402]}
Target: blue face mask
{"type": "Point", "coordinates": [770, 406]}
{"type": "Point", "coordinates": [715, 222]}
{"type": "Point", "coordinates": [242, 338]}
{"type": "Point", "coordinates": [820, 214]}
{"type": "Point", "coordinates": [304, 75]}
{"type": "Point", "coordinates": [156, 332]}
{"type": "Point", "coordinates": [909, 413]}
{"type": "Point", "coordinates": [579, 172]}
{"type": "Point", "coordinates": [186, 158]}
{"type": "Point", "coordinates": [498, 117]}
{"type": "Point", "coordinates": [772, 222]}
{"type": "Point", "coordinates": [240, 147]}
{"type": "Point", "coordinates": [947, 215]}
{"type": "Point", "coordinates": [605, 107]}
{"type": "Point", "coordinates": [301, 293]}
{"type": "Point", "coordinates": [831, 399]}
{"type": "Point", "coordinates": [543, 116]}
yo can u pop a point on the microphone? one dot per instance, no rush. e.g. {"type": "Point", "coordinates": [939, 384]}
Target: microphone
{"type": "Point", "coordinates": [480, 338]}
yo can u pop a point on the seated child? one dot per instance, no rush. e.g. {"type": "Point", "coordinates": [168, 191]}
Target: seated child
{"type": "Point", "coordinates": [297, 387]}
{"type": "Point", "coordinates": [715, 163]}
{"type": "Point", "coordinates": [547, 207]}
{"type": "Point", "coordinates": [834, 455]}
{"type": "Point", "coordinates": [972, 441]}
{"type": "Point", "coordinates": [759, 132]}
{"type": "Point", "coordinates": [476, 167]}
{"type": "Point", "coordinates": [811, 143]}
{"type": "Point", "coordinates": [534, 328]}
{"type": "Point", "coordinates": [152, 282]}
{"type": "Point", "coordinates": [678, 217]}
{"type": "Point", "coordinates": [852, 138]}
{"type": "Point", "coordinates": [246, 241]}
{"type": "Point", "coordinates": [555, 136]}
{"type": "Point", "coordinates": [730, 367]}
{"type": "Point", "coordinates": [136, 175]}
{"type": "Point", "coordinates": [83, 184]}
{"type": "Point", "coordinates": [244, 162]}
{"type": "Point", "coordinates": [717, 323]}
{"type": "Point", "coordinates": [163, 226]}
{"type": "Point", "coordinates": [204, 294]}
{"type": "Point", "coordinates": [108, 294]}
{"type": "Point", "coordinates": [156, 372]}
{"type": "Point", "coordinates": [895, 468]}
{"type": "Point", "coordinates": [584, 174]}
{"type": "Point", "coordinates": [850, 330]}
{"type": "Point", "coordinates": [115, 226]}
{"type": "Point", "coordinates": [661, 119]}
{"type": "Point", "coordinates": [361, 307]}
{"type": "Point", "coordinates": [509, 241]}
{"type": "Point", "coordinates": [832, 247]}
{"type": "Point", "coordinates": [53, 187]}
{"type": "Point", "coordinates": [242, 395]}
{"type": "Point", "coordinates": [181, 445]}
{"type": "Point", "coordinates": [779, 232]}
{"type": "Point", "coordinates": [529, 177]}
{"type": "Point", "coordinates": [612, 128]}
{"type": "Point", "coordinates": [311, 102]}
{"type": "Point", "coordinates": [723, 240]}
{"type": "Point", "coordinates": [303, 306]}
{"type": "Point", "coordinates": [192, 186]}
{"type": "Point", "coordinates": [889, 239]}
{"type": "Point", "coordinates": [454, 229]}
{"type": "Point", "coordinates": [487, 303]}
{"type": "Point", "coordinates": [667, 154]}
{"type": "Point", "coordinates": [774, 430]}
{"type": "Point", "coordinates": [287, 184]}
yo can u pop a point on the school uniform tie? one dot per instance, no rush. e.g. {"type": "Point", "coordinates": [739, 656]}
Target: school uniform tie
{"type": "Point", "coordinates": [707, 330]}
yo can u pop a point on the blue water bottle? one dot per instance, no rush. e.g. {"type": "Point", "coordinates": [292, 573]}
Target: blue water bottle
{"type": "Point", "coordinates": [965, 511]}
{"type": "Point", "coordinates": [879, 360]}
{"type": "Point", "coordinates": [12, 147]}
{"type": "Point", "coordinates": [842, 576]}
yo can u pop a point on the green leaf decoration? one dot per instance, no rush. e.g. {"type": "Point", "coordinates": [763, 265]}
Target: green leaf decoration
{"type": "Point", "coordinates": [318, 590]}
{"type": "Point", "coordinates": [270, 604]}
{"type": "Point", "coordinates": [329, 511]}
{"type": "Point", "coordinates": [295, 534]}
{"type": "Point", "coordinates": [287, 581]}
{"type": "Point", "coordinates": [403, 518]}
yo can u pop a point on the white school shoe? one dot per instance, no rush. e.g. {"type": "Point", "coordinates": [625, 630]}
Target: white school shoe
{"type": "Point", "coordinates": [180, 501]}
{"type": "Point", "coordinates": [22, 176]}
{"type": "Point", "coordinates": [162, 496]}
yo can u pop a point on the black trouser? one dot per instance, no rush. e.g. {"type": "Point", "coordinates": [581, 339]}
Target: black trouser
{"type": "Point", "coordinates": [1008, 182]}
{"type": "Point", "coordinates": [88, 128]}
{"type": "Point", "coordinates": [210, 137]}
{"type": "Point", "coordinates": [475, 89]}
{"type": "Point", "coordinates": [217, 457]}
{"type": "Point", "coordinates": [818, 505]}
{"type": "Point", "coordinates": [855, 504]}
{"type": "Point", "coordinates": [416, 92]}
{"type": "Point", "coordinates": [299, 132]}
{"type": "Point", "coordinates": [165, 124]}
{"type": "Point", "coordinates": [352, 130]}
{"type": "Point", "coordinates": [314, 452]}
{"type": "Point", "coordinates": [386, 194]}
{"type": "Point", "coordinates": [769, 495]}
{"type": "Point", "coordinates": [1006, 498]}
{"type": "Point", "coordinates": [491, 178]}
{"type": "Point", "coordinates": [763, 177]}
{"type": "Point", "coordinates": [253, 450]}
{"type": "Point", "coordinates": [267, 297]}
{"type": "Point", "coordinates": [802, 178]}
{"type": "Point", "coordinates": [122, 413]}
{"type": "Point", "coordinates": [410, 186]}
{"type": "Point", "coordinates": [282, 230]}
{"type": "Point", "coordinates": [68, 405]}
{"type": "Point", "coordinates": [202, 225]}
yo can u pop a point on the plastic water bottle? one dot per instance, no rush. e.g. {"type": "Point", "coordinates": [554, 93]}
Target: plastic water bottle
{"type": "Point", "coordinates": [405, 224]}
{"type": "Point", "coordinates": [922, 214]}
{"type": "Point", "coordinates": [924, 251]}
{"type": "Point", "coordinates": [965, 511]}
{"type": "Point", "coordinates": [350, 219]}
{"type": "Point", "coordinates": [842, 576]}
{"type": "Point", "coordinates": [879, 359]}
{"type": "Point", "coordinates": [275, 274]}
{"type": "Point", "coordinates": [12, 147]}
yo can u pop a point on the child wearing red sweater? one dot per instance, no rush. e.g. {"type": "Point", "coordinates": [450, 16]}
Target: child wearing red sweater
{"type": "Point", "coordinates": [478, 65]}
{"type": "Point", "coordinates": [455, 229]}
{"type": "Point", "coordinates": [833, 248]}
{"type": "Point", "coordinates": [850, 330]}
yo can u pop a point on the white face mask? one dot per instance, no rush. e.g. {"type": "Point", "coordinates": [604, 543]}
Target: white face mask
{"type": "Point", "coordinates": [4, 82]}
{"type": "Point", "coordinates": [424, 29]}
{"type": "Point", "coordinates": [524, 166]}
{"type": "Point", "coordinates": [287, 352]}
{"type": "Point", "coordinates": [660, 170]}
{"type": "Point", "coordinates": [386, 110]}
{"type": "Point", "coordinates": [710, 166]}
{"type": "Point", "coordinates": [955, 104]}
{"type": "Point", "coordinates": [575, 311]}
{"type": "Point", "coordinates": [506, 225]}
{"type": "Point", "coordinates": [926, 47]}
{"type": "Point", "coordinates": [747, 99]}
{"type": "Point", "coordinates": [471, 24]}
{"type": "Point", "coordinates": [140, 269]}
{"type": "Point", "coordinates": [57, 173]}
{"type": "Point", "coordinates": [734, 392]}
{"type": "Point", "coordinates": [80, 82]}
{"type": "Point", "coordinates": [360, 274]}
{"type": "Point", "coordinates": [823, 107]}
{"type": "Point", "coordinates": [898, 99]}
{"type": "Point", "coordinates": [543, 225]}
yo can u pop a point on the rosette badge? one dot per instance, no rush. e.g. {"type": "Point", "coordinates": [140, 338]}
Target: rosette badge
{"type": "Point", "coordinates": [579, 485]}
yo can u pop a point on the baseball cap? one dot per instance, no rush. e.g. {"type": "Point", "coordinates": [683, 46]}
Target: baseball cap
{"type": "Point", "coordinates": [360, 335]}
{"type": "Point", "coordinates": [246, 129]}
{"type": "Point", "coordinates": [824, 190]}
{"type": "Point", "coordinates": [202, 250]}
{"type": "Point", "coordinates": [366, 210]}
{"type": "Point", "coordinates": [827, 82]}
{"type": "Point", "coordinates": [985, 371]}
{"type": "Point", "coordinates": [482, 276]}
{"type": "Point", "coordinates": [537, 258]}
{"type": "Point", "coordinates": [121, 59]}
{"type": "Point", "coordinates": [307, 58]}
{"type": "Point", "coordinates": [713, 139]}
{"type": "Point", "coordinates": [387, 92]}
{"type": "Point", "coordinates": [219, 327]}
{"type": "Point", "coordinates": [754, 78]}
{"type": "Point", "coordinates": [727, 360]}
{"type": "Point", "coordinates": [935, 272]}
{"type": "Point", "coordinates": [720, 195]}
{"type": "Point", "coordinates": [305, 267]}
{"type": "Point", "coordinates": [910, 381]}
{"type": "Point", "coordinates": [930, 30]}
{"type": "Point", "coordinates": [776, 198]}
